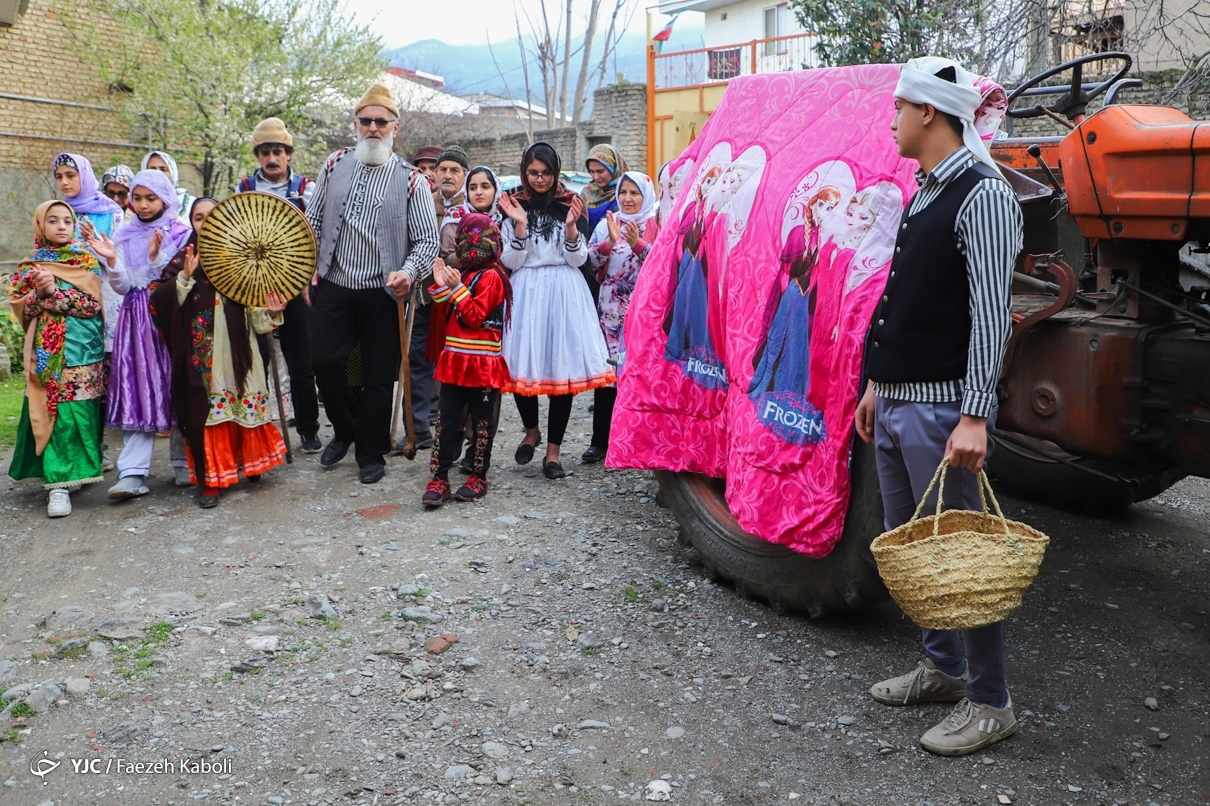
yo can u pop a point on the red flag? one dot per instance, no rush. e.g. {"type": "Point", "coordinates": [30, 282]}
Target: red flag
{"type": "Point", "coordinates": [664, 34]}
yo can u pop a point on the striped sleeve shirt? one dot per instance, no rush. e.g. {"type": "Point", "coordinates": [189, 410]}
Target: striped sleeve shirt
{"type": "Point", "coordinates": [357, 260]}
{"type": "Point", "coordinates": [989, 232]}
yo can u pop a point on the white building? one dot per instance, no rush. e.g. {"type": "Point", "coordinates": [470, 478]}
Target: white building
{"type": "Point", "coordinates": [733, 26]}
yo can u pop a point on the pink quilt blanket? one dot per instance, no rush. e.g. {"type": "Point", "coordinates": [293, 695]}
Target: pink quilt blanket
{"type": "Point", "coordinates": [744, 337]}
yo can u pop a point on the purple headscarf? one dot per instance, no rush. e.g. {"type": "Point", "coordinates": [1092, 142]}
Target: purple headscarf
{"type": "Point", "coordinates": [135, 235]}
{"type": "Point", "coordinates": [90, 199]}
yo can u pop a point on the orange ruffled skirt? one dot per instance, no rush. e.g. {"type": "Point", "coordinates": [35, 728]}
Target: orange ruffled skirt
{"type": "Point", "coordinates": [232, 449]}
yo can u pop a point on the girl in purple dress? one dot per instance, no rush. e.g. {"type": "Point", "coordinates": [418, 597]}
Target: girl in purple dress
{"type": "Point", "coordinates": [140, 257]}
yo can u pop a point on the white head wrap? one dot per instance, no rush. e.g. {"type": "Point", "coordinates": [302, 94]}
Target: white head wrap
{"type": "Point", "coordinates": [919, 84]}
{"type": "Point", "coordinates": [643, 182]}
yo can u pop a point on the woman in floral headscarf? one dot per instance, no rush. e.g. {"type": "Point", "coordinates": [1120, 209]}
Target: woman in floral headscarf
{"type": "Point", "coordinates": [606, 166]}
{"type": "Point", "coordinates": [56, 293]}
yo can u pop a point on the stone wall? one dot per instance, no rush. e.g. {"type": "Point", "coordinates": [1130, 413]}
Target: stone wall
{"type": "Point", "coordinates": [72, 115]}
{"type": "Point", "coordinates": [619, 118]}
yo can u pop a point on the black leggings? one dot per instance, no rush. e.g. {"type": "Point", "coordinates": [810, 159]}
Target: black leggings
{"type": "Point", "coordinates": [457, 402]}
{"type": "Point", "coordinates": [556, 417]}
{"type": "Point", "coordinates": [603, 398]}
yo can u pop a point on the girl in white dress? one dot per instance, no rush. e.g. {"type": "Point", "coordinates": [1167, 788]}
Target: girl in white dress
{"type": "Point", "coordinates": [553, 345]}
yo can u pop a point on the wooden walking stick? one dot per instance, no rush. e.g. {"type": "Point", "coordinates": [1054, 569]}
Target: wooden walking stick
{"type": "Point", "coordinates": [281, 402]}
{"type": "Point", "coordinates": [403, 392]}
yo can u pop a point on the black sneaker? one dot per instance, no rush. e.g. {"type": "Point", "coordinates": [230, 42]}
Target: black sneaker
{"type": "Point", "coordinates": [425, 441]}
{"type": "Point", "coordinates": [310, 443]}
{"type": "Point", "coordinates": [371, 473]}
{"type": "Point", "coordinates": [593, 455]}
{"type": "Point", "coordinates": [474, 488]}
{"type": "Point", "coordinates": [436, 493]}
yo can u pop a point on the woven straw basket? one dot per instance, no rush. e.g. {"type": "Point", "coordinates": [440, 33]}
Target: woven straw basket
{"type": "Point", "coordinates": [959, 569]}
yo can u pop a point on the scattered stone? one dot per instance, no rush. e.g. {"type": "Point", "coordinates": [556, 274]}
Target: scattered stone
{"type": "Point", "coordinates": [407, 590]}
{"type": "Point", "coordinates": [43, 697]}
{"type": "Point", "coordinates": [320, 608]}
{"type": "Point", "coordinates": [198, 629]}
{"type": "Point", "coordinates": [439, 643]}
{"type": "Point", "coordinates": [1151, 704]}
{"type": "Point", "coordinates": [119, 629]}
{"type": "Point", "coordinates": [658, 790]}
{"type": "Point", "coordinates": [176, 602]}
{"type": "Point", "coordinates": [97, 650]}
{"type": "Point", "coordinates": [674, 733]}
{"type": "Point", "coordinates": [781, 719]}
{"type": "Point", "coordinates": [122, 731]}
{"type": "Point", "coordinates": [264, 643]}
{"type": "Point", "coordinates": [589, 641]}
{"type": "Point", "coordinates": [70, 647]}
{"type": "Point", "coordinates": [504, 776]}
{"type": "Point", "coordinates": [470, 663]}
{"type": "Point", "coordinates": [1163, 737]}
{"type": "Point", "coordinates": [401, 753]}
{"type": "Point", "coordinates": [592, 724]}
{"type": "Point", "coordinates": [518, 708]}
{"type": "Point", "coordinates": [421, 614]}
{"type": "Point", "coordinates": [77, 686]}
{"type": "Point", "coordinates": [1074, 788]}
{"type": "Point", "coordinates": [459, 771]}
{"type": "Point", "coordinates": [245, 666]}
{"type": "Point", "coordinates": [559, 731]}
{"type": "Point", "coordinates": [494, 750]}
{"type": "Point", "coordinates": [8, 669]}
{"type": "Point", "coordinates": [17, 692]}
{"type": "Point", "coordinates": [401, 646]}
{"type": "Point", "coordinates": [236, 619]}
{"type": "Point", "coordinates": [846, 720]}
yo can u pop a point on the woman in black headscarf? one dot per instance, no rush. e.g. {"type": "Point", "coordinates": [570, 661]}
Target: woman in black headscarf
{"type": "Point", "coordinates": [553, 345]}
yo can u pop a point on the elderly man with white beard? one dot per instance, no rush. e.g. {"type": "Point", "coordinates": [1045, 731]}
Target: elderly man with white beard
{"type": "Point", "coordinates": [377, 235]}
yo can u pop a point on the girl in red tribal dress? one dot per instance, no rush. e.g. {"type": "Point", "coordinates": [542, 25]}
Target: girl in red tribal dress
{"type": "Point", "coordinates": [470, 368]}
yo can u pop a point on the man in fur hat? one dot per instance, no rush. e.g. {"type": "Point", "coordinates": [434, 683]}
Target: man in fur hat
{"type": "Point", "coordinates": [377, 237]}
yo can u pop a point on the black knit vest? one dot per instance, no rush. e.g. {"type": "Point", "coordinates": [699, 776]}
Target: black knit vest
{"type": "Point", "coordinates": [922, 327]}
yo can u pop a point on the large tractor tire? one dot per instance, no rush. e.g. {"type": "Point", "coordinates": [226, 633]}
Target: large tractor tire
{"type": "Point", "coordinates": [845, 581]}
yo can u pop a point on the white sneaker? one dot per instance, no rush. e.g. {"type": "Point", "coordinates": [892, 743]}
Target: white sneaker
{"type": "Point", "coordinates": [181, 476]}
{"type": "Point", "coordinates": [129, 487]}
{"type": "Point", "coordinates": [59, 505]}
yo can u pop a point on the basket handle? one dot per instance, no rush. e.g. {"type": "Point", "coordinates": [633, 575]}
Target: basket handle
{"type": "Point", "coordinates": [938, 482]}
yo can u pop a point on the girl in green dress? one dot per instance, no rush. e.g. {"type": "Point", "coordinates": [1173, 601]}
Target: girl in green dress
{"type": "Point", "coordinates": [56, 294]}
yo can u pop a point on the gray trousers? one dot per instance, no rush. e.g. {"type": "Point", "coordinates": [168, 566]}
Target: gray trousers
{"type": "Point", "coordinates": [421, 372]}
{"type": "Point", "coordinates": [909, 444]}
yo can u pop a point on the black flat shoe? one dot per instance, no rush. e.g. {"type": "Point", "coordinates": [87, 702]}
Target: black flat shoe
{"type": "Point", "coordinates": [335, 451]}
{"type": "Point", "coordinates": [525, 452]}
{"type": "Point", "coordinates": [593, 455]}
{"type": "Point", "coordinates": [553, 470]}
{"type": "Point", "coordinates": [371, 474]}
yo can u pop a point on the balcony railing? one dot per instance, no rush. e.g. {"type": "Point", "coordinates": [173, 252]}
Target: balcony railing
{"type": "Point", "coordinates": [705, 66]}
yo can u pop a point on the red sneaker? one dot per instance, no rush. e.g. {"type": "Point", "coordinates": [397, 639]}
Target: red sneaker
{"type": "Point", "coordinates": [436, 493]}
{"type": "Point", "coordinates": [474, 488]}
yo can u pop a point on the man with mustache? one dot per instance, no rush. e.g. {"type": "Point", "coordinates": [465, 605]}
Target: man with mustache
{"type": "Point", "coordinates": [377, 236]}
{"type": "Point", "coordinates": [273, 146]}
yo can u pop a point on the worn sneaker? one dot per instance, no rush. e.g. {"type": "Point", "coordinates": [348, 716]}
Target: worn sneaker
{"type": "Point", "coordinates": [474, 488]}
{"type": "Point", "coordinates": [180, 477]}
{"type": "Point", "coordinates": [925, 684]}
{"type": "Point", "coordinates": [129, 487]}
{"type": "Point", "coordinates": [310, 443]}
{"type": "Point", "coordinates": [436, 493]}
{"type": "Point", "coordinates": [970, 726]}
{"type": "Point", "coordinates": [59, 505]}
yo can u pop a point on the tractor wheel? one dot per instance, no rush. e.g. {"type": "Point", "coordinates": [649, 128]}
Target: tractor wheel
{"type": "Point", "coordinates": [846, 580]}
{"type": "Point", "coordinates": [1027, 476]}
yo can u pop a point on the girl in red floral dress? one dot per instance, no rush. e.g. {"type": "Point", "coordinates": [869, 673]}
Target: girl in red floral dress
{"type": "Point", "coordinates": [470, 368]}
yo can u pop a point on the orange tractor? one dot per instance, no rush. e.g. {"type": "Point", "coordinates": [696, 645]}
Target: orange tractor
{"type": "Point", "coordinates": [1105, 392]}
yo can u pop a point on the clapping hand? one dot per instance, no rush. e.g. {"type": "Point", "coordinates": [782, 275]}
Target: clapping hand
{"type": "Point", "coordinates": [630, 231]}
{"type": "Point", "coordinates": [512, 209]}
{"type": "Point", "coordinates": [275, 302]}
{"type": "Point", "coordinates": [44, 282]}
{"type": "Point", "coordinates": [615, 229]}
{"type": "Point", "coordinates": [191, 262]}
{"type": "Point", "coordinates": [574, 211]}
{"type": "Point", "coordinates": [445, 274]}
{"type": "Point", "coordinates": [99, 243]}
{"type": "Point", "coordinates": [153, 246]}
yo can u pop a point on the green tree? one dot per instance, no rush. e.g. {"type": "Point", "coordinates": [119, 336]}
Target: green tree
{"type": "Point", "coordinates": [197, 75]}
{"type": "Point", "coordinates": [892, 31]}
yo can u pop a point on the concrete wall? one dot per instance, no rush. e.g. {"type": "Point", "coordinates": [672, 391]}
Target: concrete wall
{"type": "Point", "coordinates": [619, 117]}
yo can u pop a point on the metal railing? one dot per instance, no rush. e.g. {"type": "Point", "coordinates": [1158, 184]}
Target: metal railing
{"type": "Point", "coordinates": [705, 66]}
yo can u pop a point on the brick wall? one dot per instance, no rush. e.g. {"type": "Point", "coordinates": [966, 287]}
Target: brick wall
{"type": "Point", "coordinates": [619, 117]}
{"type": "Point", "coordinates": [36, 61]}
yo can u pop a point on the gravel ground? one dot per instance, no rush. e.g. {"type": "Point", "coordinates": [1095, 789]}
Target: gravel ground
{"type": "Point", "coordinates": [317, 641]}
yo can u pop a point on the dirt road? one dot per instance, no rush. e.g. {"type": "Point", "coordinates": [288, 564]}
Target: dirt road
{"type": "Point", "coordinates": [552, 644]}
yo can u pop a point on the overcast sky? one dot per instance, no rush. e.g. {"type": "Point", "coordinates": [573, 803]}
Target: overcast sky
{"type": "Point", "coordinates": [469, 22]}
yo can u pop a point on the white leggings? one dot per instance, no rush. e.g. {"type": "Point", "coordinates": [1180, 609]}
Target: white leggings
{"type": "Point", "coordinates": [137, 447]}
